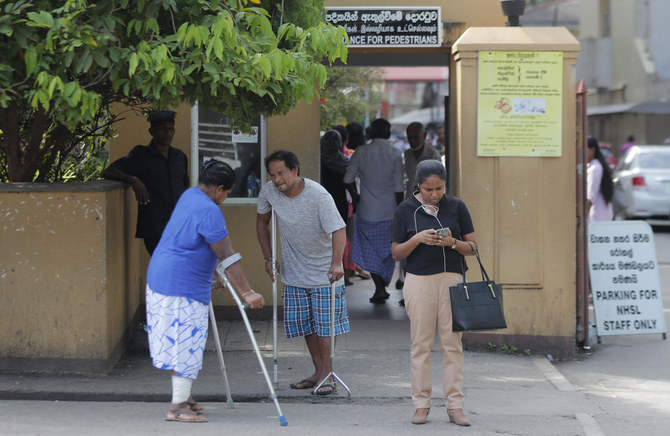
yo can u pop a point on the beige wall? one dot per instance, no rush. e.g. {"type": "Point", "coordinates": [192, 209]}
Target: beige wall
{"type": "Point", "coordinates": [523, 208]}
{"type": "Point", "coordinates": [62, 291]}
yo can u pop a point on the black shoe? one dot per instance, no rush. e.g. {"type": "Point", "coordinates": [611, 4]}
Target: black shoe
{"type": "Point", "coordinates": [399, 284]}
{"type": "Point", "coordinates": [379, 297]}
{"type": "Point", "coordinates": [348, 282]}
{"type": "Point", "coordinates": [402, 302]}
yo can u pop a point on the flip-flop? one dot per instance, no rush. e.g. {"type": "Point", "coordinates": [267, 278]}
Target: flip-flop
{"type": "Point", "coordinates": [184, 414]}
{"type": "Point", "coordinates": [329, 389]}
{"type": "Point", "coordinates": [303, 384]}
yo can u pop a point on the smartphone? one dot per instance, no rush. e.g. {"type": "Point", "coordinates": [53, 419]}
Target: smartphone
{"type": "Point", "coordinates": [443, 232]}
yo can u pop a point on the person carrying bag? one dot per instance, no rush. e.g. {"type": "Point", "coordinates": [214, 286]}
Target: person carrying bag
{"type": "Point", "coordinates": [433, 231]}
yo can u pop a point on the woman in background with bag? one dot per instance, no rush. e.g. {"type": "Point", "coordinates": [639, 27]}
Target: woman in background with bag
{"type": "Point", "coordinates": [434, 263]}
{"type": "Point", "coordinates": [599, 184]}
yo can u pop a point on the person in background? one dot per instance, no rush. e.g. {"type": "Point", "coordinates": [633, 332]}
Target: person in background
{"type": "Point", "coordinates": [312, 243]}
{"type": "Point", "coordinates": [179, 284]}
{"type": "Point", "coordinates": [439, 140]}
{"type": "Point", "coordinates": [344, 134]}
{"type": "Point", "coordinates": [158, 174]}
{"type": "Point", "coordinates": [350, 267]}
{"type": "Point", "coordinates": [434, 263]}
{"type": "Point", "coordinates": [599, 184]}
{"type": "Point", "coordinates": [380, 168]}
{"type": "Point", "coordinates": [630, 141]}
{"type": "Point", "coordinates": [333, 167]}
{"type": "Point", "coordinates": [356, 138]}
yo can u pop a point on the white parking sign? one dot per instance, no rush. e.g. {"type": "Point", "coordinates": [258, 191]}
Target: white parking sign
{"type": "Point", "coordinates": [625, 285]}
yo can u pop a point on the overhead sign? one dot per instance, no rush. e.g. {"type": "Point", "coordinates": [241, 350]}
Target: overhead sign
{"type": "Point", "coordinates": [625, 285]}
{"type": "Point", "coordinates": [390, 26]}
{"type": "Point", "coordinates": [520, 103]}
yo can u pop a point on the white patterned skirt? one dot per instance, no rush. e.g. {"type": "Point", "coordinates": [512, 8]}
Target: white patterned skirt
{"type": "Point", "coordinates": [177, 328]}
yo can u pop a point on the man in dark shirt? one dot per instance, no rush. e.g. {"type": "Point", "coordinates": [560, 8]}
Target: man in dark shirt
{"type": "Point", "coordinates": [158, 174]}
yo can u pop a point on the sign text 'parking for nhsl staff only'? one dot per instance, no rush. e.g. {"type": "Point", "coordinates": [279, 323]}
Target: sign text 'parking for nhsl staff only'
{"type": "Point", "coordinates": [389, 26]}
{"type": "Point", "coordinates": [625, 284]}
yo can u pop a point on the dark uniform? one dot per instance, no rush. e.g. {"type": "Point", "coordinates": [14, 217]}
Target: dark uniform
{"type": "Point", "coordinates": [165, 180]}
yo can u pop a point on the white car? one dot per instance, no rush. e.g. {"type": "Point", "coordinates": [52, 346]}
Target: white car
{"type": "Point", "coordinates": [644, 174]}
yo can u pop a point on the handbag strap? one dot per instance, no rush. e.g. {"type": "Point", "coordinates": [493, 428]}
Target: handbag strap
{"type": "Point", "coordinates": [485, 275]}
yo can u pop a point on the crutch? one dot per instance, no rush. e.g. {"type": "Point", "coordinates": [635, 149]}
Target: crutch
{"type": "Point", "coordinates": [274, 295]}
{"type": "Point", "coordinates": [219, 352]}
{"type": "Point", "coordinates": [332, 374]}
{"type": "Point", "coordinates": [221, 269]}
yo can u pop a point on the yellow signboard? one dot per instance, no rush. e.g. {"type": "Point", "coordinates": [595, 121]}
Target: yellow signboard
{"type": "Point", "coordinates": [520, 103]}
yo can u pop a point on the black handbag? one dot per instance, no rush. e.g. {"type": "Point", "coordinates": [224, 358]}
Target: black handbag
{"type": "Point", "coordinates": [477, 305]}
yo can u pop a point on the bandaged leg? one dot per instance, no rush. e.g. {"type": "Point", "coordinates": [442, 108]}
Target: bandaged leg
{"type": "Point", "coordinates": [181, 389]}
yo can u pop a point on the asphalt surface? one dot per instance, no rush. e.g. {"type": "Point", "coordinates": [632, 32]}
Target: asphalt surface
{"type": "Point", "coordinates": [619, 387]}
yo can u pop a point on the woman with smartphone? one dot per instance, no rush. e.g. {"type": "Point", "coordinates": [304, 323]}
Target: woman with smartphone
{"type": "Point", "coordinates": [433, 231]}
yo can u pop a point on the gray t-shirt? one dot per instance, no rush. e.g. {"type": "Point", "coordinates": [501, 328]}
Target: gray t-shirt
{"type": "Point", "coordinates": [305, 223]}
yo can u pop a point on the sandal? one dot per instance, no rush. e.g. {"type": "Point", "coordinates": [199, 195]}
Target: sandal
{"type": "Point", "coordinates": [184, 414]}
{"type": "Point", "coordinates": [303, 384]}
{"type": "Point", "coordinates": [194, 406]}
{"type": "Point", "coordinates": [328, 389]}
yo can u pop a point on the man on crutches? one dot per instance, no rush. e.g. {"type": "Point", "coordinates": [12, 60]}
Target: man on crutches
{"type": "Point", "coordinates": [312, 241]}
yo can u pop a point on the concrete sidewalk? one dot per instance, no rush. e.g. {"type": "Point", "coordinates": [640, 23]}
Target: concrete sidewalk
{"type": "Point", "coordinates": [505, 394]}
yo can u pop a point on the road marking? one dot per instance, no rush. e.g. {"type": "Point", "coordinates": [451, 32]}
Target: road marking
{"type": "Point", "coordinates": [586, 420]}
{"type": "Point", "coordinates": [553, 375]}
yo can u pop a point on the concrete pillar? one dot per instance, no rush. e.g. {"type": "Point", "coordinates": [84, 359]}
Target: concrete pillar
{"type": "Point", "coordinates": [523, 207]}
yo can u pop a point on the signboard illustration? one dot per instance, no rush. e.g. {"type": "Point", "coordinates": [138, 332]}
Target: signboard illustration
{"type": "Point", "coordinates": [520, 103]}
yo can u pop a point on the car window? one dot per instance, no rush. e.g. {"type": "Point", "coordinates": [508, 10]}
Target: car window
{"type": "Point", "coordinates": [654, 160]}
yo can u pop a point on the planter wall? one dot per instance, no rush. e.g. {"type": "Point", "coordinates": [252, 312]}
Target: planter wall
{"type": "Point", "coordinates": [69, 274]}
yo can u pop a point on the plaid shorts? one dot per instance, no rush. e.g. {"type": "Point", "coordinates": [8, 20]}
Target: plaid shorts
{"type": "Point", "coordinates": [307, 311]}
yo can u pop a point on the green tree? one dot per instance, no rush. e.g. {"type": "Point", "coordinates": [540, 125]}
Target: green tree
{"type": "Point", "coordinates": [66, 63]}
{"type": "Point", "coordinates": [350, 93]}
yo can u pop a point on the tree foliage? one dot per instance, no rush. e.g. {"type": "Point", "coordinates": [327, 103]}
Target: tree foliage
{"type": "Point", "coordinates": [66, 63]}
{"type": "Point", "coordinates": [350, 93]}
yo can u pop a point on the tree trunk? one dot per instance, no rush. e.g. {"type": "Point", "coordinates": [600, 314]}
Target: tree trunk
{"type": "Point", "coordinates": [22, 161]}
{"type": "Point", "coordinates": [10, 127]}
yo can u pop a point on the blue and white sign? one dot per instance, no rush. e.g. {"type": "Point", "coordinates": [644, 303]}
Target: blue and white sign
{"type": "Point", "coordinates": [625, 284]}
